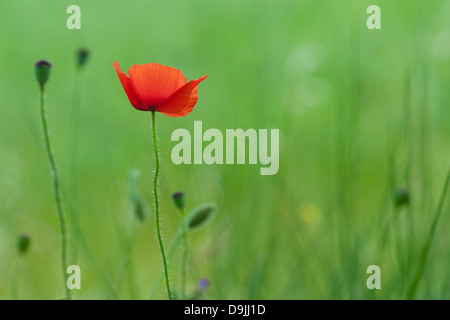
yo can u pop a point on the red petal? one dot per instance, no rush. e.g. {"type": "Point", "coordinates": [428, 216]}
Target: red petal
{"type": "Point", "coordinates": [127, 85]}
{"type": "Point", "coordinates": [155, 83]}
{"type": "Point", "coordinates": [182, 101]}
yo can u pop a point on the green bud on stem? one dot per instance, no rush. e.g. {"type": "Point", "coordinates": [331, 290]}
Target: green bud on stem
{"type": "Point", "coordinates": [23, 243]}
{"type": "Point", "coordinates": [82, 57]}
{"type": "Point", "coordinates": [401, 198]}
{"type": "Point", "coordinates": [42, 70]}
{"type": "Point", "coordinates": [179, 198]}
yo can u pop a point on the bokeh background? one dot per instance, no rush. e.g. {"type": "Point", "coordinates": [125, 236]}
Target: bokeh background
{"type": "Point", "coordinates": [361, 114]}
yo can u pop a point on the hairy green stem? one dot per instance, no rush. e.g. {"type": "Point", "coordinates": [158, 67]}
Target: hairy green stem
{"type": "Point", "coordinates": [57, 192]}
{"type": "Point", "coordinates": [156, 197]}
{"type": "Point", "coordinates": [172, 250]}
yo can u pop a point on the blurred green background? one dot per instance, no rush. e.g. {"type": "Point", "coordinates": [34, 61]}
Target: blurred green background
{"type": "Point", "coordinates": [361, 114]}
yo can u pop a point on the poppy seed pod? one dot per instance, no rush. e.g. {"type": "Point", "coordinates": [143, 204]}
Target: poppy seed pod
{"type": "Point", "coordinates": [179, 199]}
{"type": "Point", "coordinates": [23, 243]}
{"type": "Point", "coordinates": [42, 70]}
{"type": "Point", "coordinates": [201, 215]}
{"type": "Point", "coordinates": [401, 198]}
{"type": "Point", "coordinates": [82, 57]}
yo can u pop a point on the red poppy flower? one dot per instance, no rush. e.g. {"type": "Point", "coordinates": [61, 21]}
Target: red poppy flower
{"type": "Point", "coordinates": [153, 87]}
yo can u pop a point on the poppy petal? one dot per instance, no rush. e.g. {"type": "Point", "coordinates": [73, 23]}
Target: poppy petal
{"type": "Point", "coordinates": [155, 83]}
{"type": "Point", "coordinates": [182, 101]}
{"type": "Point", "coordinates": [127, 85]}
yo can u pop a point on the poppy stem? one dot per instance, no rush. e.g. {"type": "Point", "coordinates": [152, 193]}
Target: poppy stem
{"type": "Point", "coordinates": [73, 172]}
{"type": "Point", "coordinates": [426, 248]}
{"type": "Point", "coordinates": [184, 255]}
{"type": "Point", "coordinates": [172, 250]}
{"type": "Point", "coordinates": [17, 273]}
{"type": "Point", "coordinates": [156, 197]}
{"type": "Point", "coordinates": [57, 191]}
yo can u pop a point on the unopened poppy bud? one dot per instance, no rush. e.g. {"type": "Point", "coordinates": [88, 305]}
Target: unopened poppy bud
{"type": "Point", "coordinates": [23, 243]}
{"type": "Point", "coordinates": [200, 215]}
{"type": "Point", "coordinates": [179, 199]}
{"type": "Point", "coordinates": [42, 70]}
{"type": "Point", "coordinates": [401, 198]}
{"type": "Point", "coordinates": [82, 57]}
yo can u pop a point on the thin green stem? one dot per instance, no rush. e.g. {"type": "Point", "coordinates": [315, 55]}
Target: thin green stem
{"type": "Point", "coordinates": [126, 256]}
{"type": "Point", "coordinates": [17, 273]}
{"type": "Point", "coordinates": [57, 192]}
{"type": "Point", "coordinates": [171, 252]}
{"type": "Point", "coordinates": [156, 197]}
{"type": "Point", "coordinates": [426, 248]}
{"type": "Point", "coordinates": [78, 239]}
{"type": "Point", "coordinates": [129, 241]}
{"type": "Point", "coordinates": [184, 254]}
{"type": "Point", "coordinates": [95, 266]}
{"type": "Point", "coordinates": [73, 156]}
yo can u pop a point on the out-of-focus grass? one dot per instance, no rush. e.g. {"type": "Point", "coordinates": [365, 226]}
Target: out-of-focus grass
{"type": "Point", "coordinates": [360, 113]}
